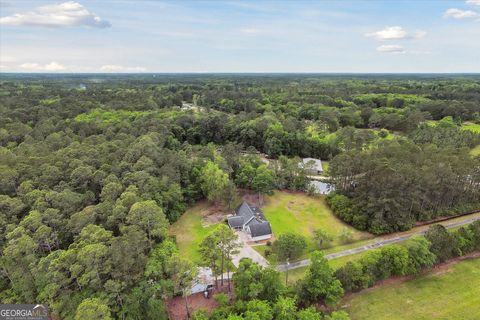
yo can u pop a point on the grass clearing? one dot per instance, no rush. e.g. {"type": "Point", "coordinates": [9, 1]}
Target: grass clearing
{"type": "Point", "coordinates": [294, 275]}
{"type": "Point", "coordinates": [189, 231]}
{"type": "Point", "coordinates": [297, 274]}
{"type": "Point", "coordinates": [325, 166]}
{"type": "Point", "coordinates": [454, 294]}
{"type": "Point", "coordinates": [475, 151]}
{"type": "Point", "coordinates": [475, 127]}
{"type": "Point", "coordinates": [302, 214]}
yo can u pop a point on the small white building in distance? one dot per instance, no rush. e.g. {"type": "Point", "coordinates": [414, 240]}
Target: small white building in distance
{"type": "Point", "coordinates": [312, 166]}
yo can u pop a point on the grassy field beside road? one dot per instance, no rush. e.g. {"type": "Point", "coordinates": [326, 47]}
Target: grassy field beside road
{"type": "Point", "coordinates": [302, 214]}
{"type": "Point", "coordinates": [445, 293]}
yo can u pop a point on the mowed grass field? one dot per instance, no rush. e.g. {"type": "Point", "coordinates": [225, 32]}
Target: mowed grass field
{"type": "Point", "coordinates": [189, 231]}
{"type": "Point", "coordinates": [451, 294]}
{"type": "Point", "coordinates": [472, 127]}
{"type": "Point", "coordinates": [302, 214]}
{"type": "Point", "coordinates": [475, 151]}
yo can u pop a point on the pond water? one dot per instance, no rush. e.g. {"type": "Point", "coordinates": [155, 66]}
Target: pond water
{"type": "Point", "coordinates": [322, 187]}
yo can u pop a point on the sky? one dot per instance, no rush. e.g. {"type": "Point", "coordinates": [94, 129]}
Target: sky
{"type": "Point", "coordinates": [408, 36]}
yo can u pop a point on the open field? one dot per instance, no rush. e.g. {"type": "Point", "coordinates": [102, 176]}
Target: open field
{"type": "Point", "coordinates": [475, 151]}
{"type": "Point", "coordinates": [443, 294]}
{"type": "Point", "coordinates": [472, 127]}
{"type": "Point", "coordinates": [189, 231]}
{"type": "Point", "coordinates": [302, 214]}
{"type": "Point", "coordinates": [404, 238]}
{"type": "Point", "coordinates": [325, 166]}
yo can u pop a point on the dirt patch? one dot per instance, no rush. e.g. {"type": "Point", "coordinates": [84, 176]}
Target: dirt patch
{"type": "Point", "coordinates": [252, 198]}
{"type": "Point", "coordinates": [176, 306]}
{"type": "Point", "coordinates": [213, 214]}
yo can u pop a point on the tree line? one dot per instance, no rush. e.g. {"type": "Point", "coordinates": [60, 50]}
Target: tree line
{"type": "Point", "coordinates": [93, 170]}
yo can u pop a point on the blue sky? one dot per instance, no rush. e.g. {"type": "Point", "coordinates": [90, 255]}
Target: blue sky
{"type": "Point", "coordinates": [240, 36]}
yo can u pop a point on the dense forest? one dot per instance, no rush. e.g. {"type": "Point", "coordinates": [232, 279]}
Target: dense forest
{"type": "Point", "coordinates": [94, 168]}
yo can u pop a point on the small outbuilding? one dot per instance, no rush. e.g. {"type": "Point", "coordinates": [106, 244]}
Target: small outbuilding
{"type": "Point", "coordinates": [204, 281]}
{"type": "Point", "coordinates": [312, 166]}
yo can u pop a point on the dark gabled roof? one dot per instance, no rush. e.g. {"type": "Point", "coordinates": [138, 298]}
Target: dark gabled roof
{"type": "Point", "coordinates": [247, 215]}
{"type": "Point", "coordinates": [245, 211]}
{"type": "Point", "coordinates": [235, 222]}
{"type": "Point", "coordinates": [260, 228]}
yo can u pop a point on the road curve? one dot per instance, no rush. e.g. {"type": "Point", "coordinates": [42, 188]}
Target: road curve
{"type": "Point", "coordinates": [379, 243]}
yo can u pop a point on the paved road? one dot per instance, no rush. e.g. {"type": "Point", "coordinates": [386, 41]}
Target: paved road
{"type": "Point", "coordinates": [379, 243]}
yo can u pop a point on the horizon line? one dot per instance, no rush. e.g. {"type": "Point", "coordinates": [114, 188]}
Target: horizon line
{"type": "Point", "coordinates": [227, 72]}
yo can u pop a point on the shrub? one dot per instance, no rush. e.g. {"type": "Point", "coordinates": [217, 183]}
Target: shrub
{"type": "Point", "coordinates": [352, 276]}
{"type": "Point", "coordinates": [443, 243]}
{"type": "Point", "coordinates": [346, 235]}
{"type": "Point", "coordinates": [267, 253]}
{"type": "Point", "coordinates": [383, 133]}
{"type": "Point", "coordinates": [322, 239]}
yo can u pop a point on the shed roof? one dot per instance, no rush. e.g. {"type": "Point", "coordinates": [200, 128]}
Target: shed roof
{"type": "Point", "coordinates": [312, 163]}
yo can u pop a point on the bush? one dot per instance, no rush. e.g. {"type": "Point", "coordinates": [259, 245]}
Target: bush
{"type": "Point", "coordinates": [444, 244]}
{"type": "Point", "coordinates": [267, 253]}
{"type": "Point", "coordinates": [352, 276]}
{"type": "Point", "coordinates": [322, 239]}
{"type": "Point", "coordinates": [374, 266]}
{"type": "Point", "coordinates": [475, 228]}
{"type": "Point", "coordinates": [383, 133]}
{"type": "Point", "coordinates": [346, 236]}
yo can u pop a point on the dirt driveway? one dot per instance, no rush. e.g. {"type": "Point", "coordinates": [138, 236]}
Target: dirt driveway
{"type": "Point", "coordinates": [246, 251]}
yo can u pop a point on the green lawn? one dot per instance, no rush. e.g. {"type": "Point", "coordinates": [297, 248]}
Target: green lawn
{"type": "Point", "coordinates": [302, 214]}
{"type": "Point", "coordinates": [475, 127]}
{"type": "Point", "coordinates": [190, 232]}
{"type": "Point", "coordinates": [325, 166]}
{"type": "Point", "coordinates": [475, 151]}
{"type": "Point", "coordinates": [454, 294]}
{"type": "Point", "coordinates": [472, 127]}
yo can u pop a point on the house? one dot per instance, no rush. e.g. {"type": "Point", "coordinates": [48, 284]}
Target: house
{"type": "Point", "coordinates": [312, 166]}
{"type": "Point", "coordinates": [252, 221]}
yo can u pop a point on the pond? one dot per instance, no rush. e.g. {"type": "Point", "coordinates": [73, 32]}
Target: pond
{"type": "Point", "coordinates": [322, 187]}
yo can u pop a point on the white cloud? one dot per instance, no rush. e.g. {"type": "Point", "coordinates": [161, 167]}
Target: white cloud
{"type": "Point", "coordinates": [473, 2]}
{"type": "Point", "coordinates": [249, 30]}
{"type": "Point", "coordinates": [391, 48]}
{"type": "Point", "coordinates": [52, 66]}
{"type": "Point", "coordinates": [389, 33]}
{"type": "Point", "coordinates": [419, 34]}
{"type": "Point", "coordinates": [117, 68]}
{"type": "Point", "coordinates": [67, 14]}
{"type": "Point", "coordinates": [461, 14]}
